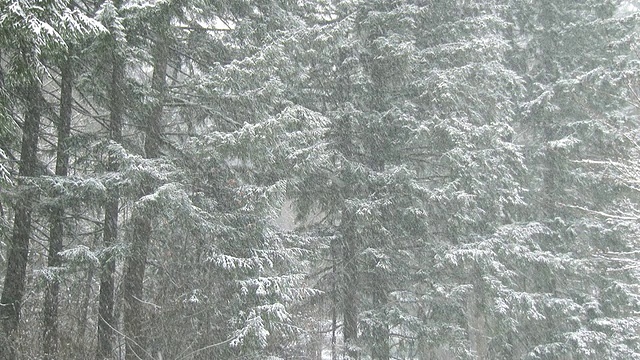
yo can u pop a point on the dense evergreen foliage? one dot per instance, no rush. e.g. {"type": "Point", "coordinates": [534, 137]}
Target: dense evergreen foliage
{"type": "Point", "coordinates": [319, 179]}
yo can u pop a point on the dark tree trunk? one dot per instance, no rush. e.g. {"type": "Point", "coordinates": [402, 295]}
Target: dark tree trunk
{"type": "Point", "coordinates": [380, 288]}
{"type": "Point", "coordinates": [106, 320]}
{"type": "Point", "coordinates": [83, 319]}
{"type": "Point", "coordinates": [6, 352]}
{"type": "Point", "coordinates": [348, 245]}
{"type": "Point", "coordinates": [1, 73]}
{"type": "Point", "coordinates": [376, 142]}
{"type": "Point", "coordinates": [380, 291]}
{"type": "Point", "coordinates": [381, 349]}
{"type": "Point", "coordinates": [334, 297]}
{"type": "Point", "coordinates": [134, 312]}
{"type": "Point", "coordinates": [56, 232]}
{"type": "Point", "coordinates": [349, 286]}
{"type": "Point", "coordinates": [18, 246]}
{"type": "Point", "coordinates": [4, 343]}
{"type": "Point", "coordinates": [136, 261]}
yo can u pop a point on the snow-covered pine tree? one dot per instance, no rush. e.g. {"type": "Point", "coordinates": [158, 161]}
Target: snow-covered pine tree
{"type": "Point", "coordinates": [115, 49]}
{"type": "Point", "coordinates": [390, 126]}
{"type": "Point", "coordinates": [56, 227]}
{"type": "Point", "coordinates": [213, 253]}
{"type": "Point", "coordinates": [573, 303]}
{"type": "Point", "coordinates": [413, 160]}
{"type": "Point", "coordinates": [30, 34]}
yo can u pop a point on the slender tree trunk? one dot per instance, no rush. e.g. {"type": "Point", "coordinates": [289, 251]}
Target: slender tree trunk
{"type": "Point", "coordinates": [380, 286]}
{"type": "Point", "coordinates": [348, 243]}
{"type": "Point", "coordinates": [5, 349]}
{"type": "Point", "coordinates": [137, 259]}
{"type": "Point", "coordinates": [380, 291]}
{"type": "Point", "coordinates": [376, 162]}
{"type": "Point", "coordinates": [1, 72]}
{"type": "Point", "coordinates": [56, 232]}
{"type": "Point", "coordinates": [84, 314]}
{"type": "Point", "coordinates": [334, 298]}
{"type": "Point", "coordinates": [106, 320]}
{"type": "Point", "coordinates": [381, 349]}
{"type": "Point", "coordinates": [475, 313]}
{"type": "Point", "coordinates": [349, 268]}
{"type": "Point", "coordinates": [18, 246]}
{"type": "Point", "coordinates": [6, 352]}
{"type": "Point", "coordinates": [553, 188]}
{"type": "Point", "coordinates": [134, 312]}
{"type": "Point", "coordinates": [350, 282]}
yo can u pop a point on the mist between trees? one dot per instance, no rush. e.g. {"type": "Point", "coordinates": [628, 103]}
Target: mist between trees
{"type": "Point", "coordinates": [319, 179]}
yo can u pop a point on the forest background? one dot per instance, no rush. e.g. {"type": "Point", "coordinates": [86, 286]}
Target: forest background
{"type": "Point", "coordinates": [319, 179]}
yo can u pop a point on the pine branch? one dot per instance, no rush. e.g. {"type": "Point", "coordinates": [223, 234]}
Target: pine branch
{"type": "Point", "coordinates": [600, 213]}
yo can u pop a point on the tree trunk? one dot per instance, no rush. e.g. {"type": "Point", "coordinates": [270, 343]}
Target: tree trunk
{"type": "Point", "coordinates": [349, 297]}
{"type": "Point", "coordinates": [56, 232]}
{"type": "Point", "coordinates": [4, 344]}
{"type": "Point", "coordinates": [84, 314]}
{"type": "Point", "coordinates": [1, 74]}
{"type": "Point", "coordinates": [106, 320]}
{"type": "Point", "coordinates": [349, 265]}
{"type": "Point", "coordinates": [348, 241]}
{"type": "Point", "coordinates": [380, 287]}
{"type": "Point", "coordinates": [381, 341]}
{"type": "Point", "coordinates": [334, 297]}
{"type": "Point", "coordinates": [18, 246]}
{"type": "Point", "coordinates": [476, 316]}
{"type": "Point", "coordinates": [137, 259]}
{"type": "Point", "coordinates": [6, 352]}
{"type": "Point", "coordinates": [376, 145]}
{"type": "Point", "coordinates": [134, 312]}
{"type": "Point", "coordinates": [380, 346]}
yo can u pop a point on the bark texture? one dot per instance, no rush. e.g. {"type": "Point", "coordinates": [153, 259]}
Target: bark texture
{"type": "Point", "coordinates": [56, 231]}
{"type": "Point", "coordinates": [18, 246]}
{"type": "Point", "coordinates": [106, 320]}
{"type": "Point", "coordinates": [134, 312]}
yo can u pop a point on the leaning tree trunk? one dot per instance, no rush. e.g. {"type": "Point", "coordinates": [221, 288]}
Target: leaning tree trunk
{"type": "Point", "coordinates": [106, 320]}
{"type": "Point", "coordinates": [18, 246]}
{"type": "Point", "coordinates": [56, 231]}
{"type": "Point", "coordinates": [136, 261]}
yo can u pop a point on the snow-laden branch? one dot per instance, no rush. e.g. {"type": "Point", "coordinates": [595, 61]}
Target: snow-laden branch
{"type": "Point", "coordinates": [601, 213]}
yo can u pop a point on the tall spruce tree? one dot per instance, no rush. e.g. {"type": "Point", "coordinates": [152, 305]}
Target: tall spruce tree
{"type": "Point", "coordinates": [413, 159]}
{"type": "Point", "coordinates": [56, 231]}
{"type": "Point", "coordinates": [211, 218]}
{"type": "Point", "coordinates": [106, 317]}
{"type": "Point", "coordinates": [574, 57]}
{"type": "Point", "coordinates": [141, 229]}
{"type": "Point", "coordinates": [29, 34]}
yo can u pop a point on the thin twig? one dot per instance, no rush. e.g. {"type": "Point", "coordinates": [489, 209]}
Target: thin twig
{"type": "Point", "coordinates": [204, 348]}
